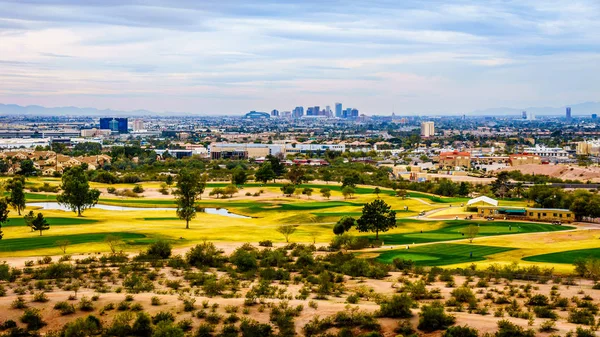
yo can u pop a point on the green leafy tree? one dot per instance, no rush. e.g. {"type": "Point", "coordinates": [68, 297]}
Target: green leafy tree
{"type": "Point", "coordinates": [326, 175]}
{"type": "Point", "coordinates": [348, 192]}
{"type": "Point", "coordinates": [17, 194]}
{"type": "Point", "coordinates": [351, 180]}
{"type": "Point", "coordinates": [296, 175]}
{"type": "Point", "coordinates": [343, 225]}
{"type": "Point", "coordinates": [286, 231]}
{"type": "Point", "coordinates": [3, 215]}
{"type": "Point", "coordinates": [265, 173]}
{"type": "Point", "coordinates": [377, 190]}
{"type": "Point", "coordinates": [307, 191]}
{"type": "Point", "coordinates": [28, 219]}
{"type": "Point", "coordinates": [188, 188]}
{"type": "Point", "coordinates": [276, 165]}
{"type": "Point", "coordinates": [239, 176]}
{"type": "Point", "coordinates": [76, 192]}
{"type": "Point", "coordinates": [288, 189]}
{"type": "Point", "coordinates": [501, 185]}
{"type": "Point", "coordinates": [377, 216]}
{"type": "Point", "coordinates": [169, 180]}
{"type": "Point", "coordinates": [326, 192]}
{"type": "Point", "coordinates": [40, 224]}
{"type": "Point", "coordinates": [230, 190]}
{"type": "Point", "coordinates": [464, 189]}
{"type": "Point", "coordinates": [471, 232]}
{"type": "Point", "coordinates": [27, 168]}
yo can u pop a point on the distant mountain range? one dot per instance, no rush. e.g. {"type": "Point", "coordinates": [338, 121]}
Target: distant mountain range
{"type": "Point", "coordinates": [580, 109]}
{"type": "Point", "coordinates": [36, 110]}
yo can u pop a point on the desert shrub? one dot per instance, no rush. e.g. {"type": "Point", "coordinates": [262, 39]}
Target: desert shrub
{"type": "Point", "coordinates": [138, 189]}
{"type": "Point", "coordinates": [398, 306]}
{"type": "Point", "coordinates": [65, 308]}
{"type": "Point", "coordinates": [205, 255]}
{"type": "Point", "coordinates": [509, 329]}
{"type": "Point", "coordinates": [33, 319]}
{"type": "Point", "coordinates": [111, 190]}
{"type": "Point", "coordinates": [167, 329]}
{"type": "Point", "coordinates": [538, 300]}
{"type": "Point", "coordinates": [90, 326]}
{"type": "Point", "coordinates": [142, 326]}
{"type": "Point", "coordinates": [545, 312]}
{"type": "Point", "coordinates": [265, 243]}
{"type": "Point", "coordinates": [155, 300]}
{"type": "Point", "coordinates": [163, 316]}
{"type": "Point", "coordinates": [582, 316]}
{"type": "Point", "coordinates": [18, 303]}
{"type": "Point", "coordinates": [463, 295]}
{"type": "Point", "coordinates": [85, 304]}
{"type": "Point", "coordinates": [136, 283]}
{"type": "Point", "coordinates": [160, 249]}
{"type": "Point", "coordinates": [433, 317]}
{"type": "Point", "coordinates": [252, 328]}
{"type": "Point", "coordinates": [244, 259]}
{"type": "Point", "coordinates": [548, 326]}
{"type": "Point", "coordinates": [204, 330]}
{"type": "Point", "coordinates": [403, 264]}
{"type": "Point", "coordinates": [581, 332]}
{"type": "Point", "coordinates": [460, 331]}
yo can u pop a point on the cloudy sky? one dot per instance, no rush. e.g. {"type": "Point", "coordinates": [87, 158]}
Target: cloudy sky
{"type": "Point", "coordinates": [231, 56]}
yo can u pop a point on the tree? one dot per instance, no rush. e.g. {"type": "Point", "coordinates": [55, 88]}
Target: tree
{"type": "Point", "coordinates": [401, 193]}
{"type": "Point", "coordinates": [40, 223]}
{"type": "Point", "coordinates": [28, 219]}
{"type": "Point", "coordinates": [27, 168]}
{"type": "Point", "coordinates": [377, 191]}
{"type": "Point", "coordinates": [464, 189]}
{"type": "Point", "coordinates": [286, 231]}
{"type": "Point", "coordinates": [325, 192]}
{"type": "Point", "coordinates": [3, 215]}
{"type": "Point", "coordinates": [17, 194]}
{"type": "Point", "coordinates": [351, 180]}
{"type": "Point", "coordinates": [113, 242]}
{"type": "Point", "coordinates": [377, 216]}
{"type": "Point", "coordinates": [230, 190]}
{"type": "Point", "coordinates": [216, 191]}
{"type": "Point", "coordinates": [188, 188]}
{"type": "Point", "coordinates": [348, 192]}
{"type": "Point", "coordinates": [169, 180]}
{"type": "Point", "coordinates": [77, 194]}
{"type": "Point", "coordinates": [276, 165]}
{"type": "Point", "coordinates": [265, 173]}
{"type": "Point", "coordinates": [326, 175]}
{"type": "Point", "coordinates": [63, 244]}
{"type": "Point", "coordinates": [307, 191]}
{"type": "Point", "coordinates": [343, 225]}
{"type": "Point", "coordinates": [471, 232]}
{"type": "Point", "coordinates": [288, 189]}
{"type": "Point", "coordinates": [239, 176]}
{"type": "Point", "coordinates": [296, 174]}
{"type": "Point", "coordinates": [500, 186]}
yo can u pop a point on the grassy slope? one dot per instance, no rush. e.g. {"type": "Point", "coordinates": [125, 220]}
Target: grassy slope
{"type": "Point", "coordinates": [566, 256]}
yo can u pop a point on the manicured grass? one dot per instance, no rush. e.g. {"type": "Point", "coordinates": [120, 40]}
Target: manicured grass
{"type": "Point", "coordinates": [315, 187]}
{"type": "Point", "coordinates": [453, 229]}
{"type": "Point", "coordinates": [437, 198]}
{"type": "Point", "coordinates": [441, 254]}
{"type": "Point", "coordinates": [161, 219]}
{"type": "Point", "coordinates": [565, 256]}
{"type": "Point", "coordinates": [49, 241]}
{"type": "Point", "coordinates": [52, 221]}
{"type": "Point", "coordinates": [38, 197]}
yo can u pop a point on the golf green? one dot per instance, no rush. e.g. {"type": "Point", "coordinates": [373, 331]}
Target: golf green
{"type": "Point", "coordinates": [441, 254]}
{"type": "Point", "coordinates": [567, 257]}
{"type": "Point", "coordinates": [48, 241]}
{"type": "Point", "coordinates": [58, 221]}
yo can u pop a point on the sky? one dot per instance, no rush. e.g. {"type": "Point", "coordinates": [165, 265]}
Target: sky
{"type": "Point", "coordinates": [230, 56]}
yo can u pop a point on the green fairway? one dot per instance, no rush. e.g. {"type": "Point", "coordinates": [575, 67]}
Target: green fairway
{"type": "Point", "coordinates": [437, 198]}
{"type": "Point", "coordinates": [160, 219]}
{"type": "Point", "coordinates": [39, 242]}
{"type": "Point", "coordinates": [452, 230]}
{"type": "Point", "coordinates": [13, 222]}
{"type": "Point", "coordinates": [316, 187]}
{"type": "Point", "coordinates": [441, 254]}
{"type": "Point", "coordinates": [566, 256]}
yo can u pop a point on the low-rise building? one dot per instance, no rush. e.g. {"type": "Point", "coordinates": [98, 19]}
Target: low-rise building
{"type": "Point", "coordinates": [526, 213]}
{"type": "Point", "coordinates": [453, 160]}
{"type": "Point", "coordinates": [524, 158]}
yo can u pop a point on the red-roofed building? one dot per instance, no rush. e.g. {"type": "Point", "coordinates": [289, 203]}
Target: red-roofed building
{"type": "Point", "coordinates": [451, 160]}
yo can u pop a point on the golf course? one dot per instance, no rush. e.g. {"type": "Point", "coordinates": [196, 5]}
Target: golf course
{"type": "Point", "coordinates": [254, 213]}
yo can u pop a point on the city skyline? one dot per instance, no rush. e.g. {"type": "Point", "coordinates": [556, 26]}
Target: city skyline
{"type": "Point", "coordinates": [232, 57]}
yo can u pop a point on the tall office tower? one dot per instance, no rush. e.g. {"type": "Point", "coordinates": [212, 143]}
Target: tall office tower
{"type": "Point", "coordinates": [275, 113]}
{"type": "Point", "coordinates": [114, 124]}
{"type": "Point", "coordinates": [568, 112]}
{"type": "Point", "coordinates": [338, 110]}
{"type": "Point", "coordinates": [594, 116]}
{"type": "Point", "coordinates": [354, 113]}
{"type": "Point", "coordinates": [427, 129]}
{"type": "Point", "coordinates": [530, 116]}
{"type": "Point", "coordinates": [138, 125]}
{"type": "Point", "coordinates": [310, 111]}
{"type": "Point", "coordinates": [316, 110]}
{"type": "Point", "coordinates": [298, 112]}
{"type": "Point", "coordinates": [524, 115]}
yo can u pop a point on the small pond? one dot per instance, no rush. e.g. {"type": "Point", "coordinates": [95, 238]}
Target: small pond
{"type": "Point", "coordinates": [208, 210]}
